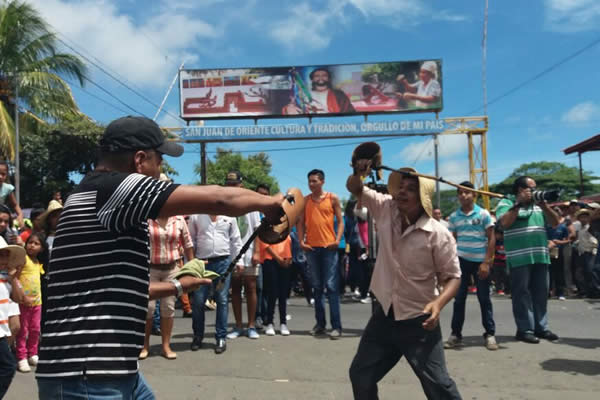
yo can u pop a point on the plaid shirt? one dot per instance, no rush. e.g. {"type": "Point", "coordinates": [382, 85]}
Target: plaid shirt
{"type": "Point", "coordinates": [165, 243]}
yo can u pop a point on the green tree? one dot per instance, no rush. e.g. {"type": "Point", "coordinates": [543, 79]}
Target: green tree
{"type": "Point", "coordinates": [255, 169]}
{"type": "Point", "coordinates": [52, 154]}
{"type": "Point", "coordinates": [551, 175]}
{"type": "Point", "coordinates": [31, 63]}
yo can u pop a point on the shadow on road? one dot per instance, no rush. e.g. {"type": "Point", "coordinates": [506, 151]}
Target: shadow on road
{"type": "Point", "coordinates": [584, 343]}
{"type": "Point", "coordinates": [586, 367]}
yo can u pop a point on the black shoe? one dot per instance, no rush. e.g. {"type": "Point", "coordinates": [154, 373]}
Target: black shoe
{"type": "Point", "coordinates": [221, 346]}
{"type": "Point", "coordinates": [187, 314]}
{"type": "Point", "coordinates": [548, 335]}
{"type": "Point", "coordinates": [156, 331]}
{"type": "Point", "coordinates": [527, 337]}
{"type": "Point", "coordinates": [196, 343]}
{"type": "Point", "coordinates": [317, 331]}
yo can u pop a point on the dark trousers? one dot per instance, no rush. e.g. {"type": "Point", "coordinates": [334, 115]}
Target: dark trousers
{"type": "Point", "coordinates": [276, 286]}
{"type": "Point", "coordinates": [385, 341]}
{"type": "Point", "coordinates": [468, 269]}
{"type": "Point", "coordinates": [8, 366]}
{"type": "Point", "coordinates": [557, 274]}
{"type": "Point", "coordinates": [500, 277]}
{"type": "Point", "coordinates": [302, 271]}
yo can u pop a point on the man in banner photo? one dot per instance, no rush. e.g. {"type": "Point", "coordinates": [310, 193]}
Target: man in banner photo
{"type": "Point", "coordinates": [321, 98]}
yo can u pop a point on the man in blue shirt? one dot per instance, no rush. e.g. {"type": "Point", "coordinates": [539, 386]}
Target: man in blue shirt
{"type": "Point", "coordinates": [558, 238]}
{"type": "Point", "coordinates": [473, 229]}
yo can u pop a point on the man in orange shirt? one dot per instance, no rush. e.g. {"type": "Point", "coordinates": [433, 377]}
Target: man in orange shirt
{"type": "Point", "coordinates": [320, 243]}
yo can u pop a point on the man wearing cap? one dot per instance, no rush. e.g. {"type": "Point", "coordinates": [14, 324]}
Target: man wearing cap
{"type": "Point", "coordinates": [427, 90]}
{"type": "Point", "coordinates": [246, 271]}
{"type": "Point", "coordinates": [528, 257]}
{"type": "Point", "coordinates": [98, 286]}
{"type": "Point", "coordinates": [415, 255]}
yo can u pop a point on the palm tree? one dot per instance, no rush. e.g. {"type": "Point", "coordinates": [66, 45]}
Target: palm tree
{"type": "Point", "coordinates": [31, 67]}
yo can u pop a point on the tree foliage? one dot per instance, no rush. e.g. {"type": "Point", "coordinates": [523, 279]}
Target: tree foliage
{"type": "Point", "coordinates": [255, 169]}
{"type": "Point", "coordinates": [551, 175]}
{"type": "Point", "coordinates": [30, 61]}
{"type": "Point", "coordinates": [51, 154]}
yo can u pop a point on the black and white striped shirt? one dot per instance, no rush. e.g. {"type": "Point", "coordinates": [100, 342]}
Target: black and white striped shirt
{"type": "Point", "coordinates": [98, 277]}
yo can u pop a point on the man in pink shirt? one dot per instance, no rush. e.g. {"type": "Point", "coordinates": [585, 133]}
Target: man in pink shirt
{"type": "Point", "coordinates": [416, 255]}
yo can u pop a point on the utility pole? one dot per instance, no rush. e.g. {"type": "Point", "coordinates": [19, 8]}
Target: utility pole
{"type": "Point", "coordinates": [17, 161]}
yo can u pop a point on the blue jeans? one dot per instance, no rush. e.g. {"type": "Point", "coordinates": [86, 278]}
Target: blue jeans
{"type": "Point", "coordinates": [324, 274]}
{"type": "Point", "coordinates": [468, 269]}
{"type": "Point", "coordinates": [8, 366]}
{"type": "Point", "coordinates": [529, 285]}
{"type": "Point", "coordinates": [128, 387]}
{"type": "Point", "coordinates": [200, 296]}
{"type": "Point", "coordinates": [156, 316]}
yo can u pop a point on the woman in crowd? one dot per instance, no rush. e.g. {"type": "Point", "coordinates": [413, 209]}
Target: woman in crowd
{"type": "Point", "coordinates": [167, 235]}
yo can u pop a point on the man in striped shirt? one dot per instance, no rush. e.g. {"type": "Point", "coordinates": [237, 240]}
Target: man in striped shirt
{"type": "Point", "coordinates": [98, 286]}
{"type": "Point", "coordinates": [473, 229]}
{"type": "Point", "coordinates": [527, 256]}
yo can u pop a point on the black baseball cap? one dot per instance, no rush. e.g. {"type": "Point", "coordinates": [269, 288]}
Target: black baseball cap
{"type": "Point", "coordinates": [137, 133]}
{"type": "Point", "coordinates": [233, 178]}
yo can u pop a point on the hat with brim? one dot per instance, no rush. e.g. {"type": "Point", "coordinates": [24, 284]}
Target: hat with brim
{"type": "Point", "coordinates": [426, 188]}
{"type": "Point", "coordinates": [233, 178]}
{"type": "Point", "coordinates": [593, 205]}
{"type": "Point", "coordinates": [582, 212]}
{"type": "Point", "coordinates": [52, 207]}
{"type": "Point", "coordinates": [16, 256]}
{"type": "Point", "coordinates": [132, 133]}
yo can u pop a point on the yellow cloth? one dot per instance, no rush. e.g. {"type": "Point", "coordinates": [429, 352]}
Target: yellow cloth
{"type": "Point", "coordinates": [31, 281]}
{"type": "Point", "coordinates": [196, 268]}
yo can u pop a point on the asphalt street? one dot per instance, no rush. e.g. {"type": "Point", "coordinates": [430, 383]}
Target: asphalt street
{"type": "Point", "coordinates": [303, 367]}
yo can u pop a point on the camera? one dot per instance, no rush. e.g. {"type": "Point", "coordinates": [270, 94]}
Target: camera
{"type": "Point", "coordinates": [545, 195]}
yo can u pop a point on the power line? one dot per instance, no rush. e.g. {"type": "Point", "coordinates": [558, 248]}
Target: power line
{"type": "Point", "coordinates": [301, 148]}
{"type": "Point", "coordinates": [114, 97]}
{"type": "Point", "coordinates": [98, 98]}
{"type": "Point", "coordinates": [142, 96]}
{"type": "Point", "coordinates": [421, 152]}
{"type": "Point", "coordinates": [540, 74]}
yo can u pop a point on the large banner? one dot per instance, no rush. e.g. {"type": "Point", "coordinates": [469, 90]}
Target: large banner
{"type": "Point", "coordinates": [325, 90]}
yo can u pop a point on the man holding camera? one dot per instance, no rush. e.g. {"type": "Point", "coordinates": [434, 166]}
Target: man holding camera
{"type": "Point", "coordinates": [526, 244]}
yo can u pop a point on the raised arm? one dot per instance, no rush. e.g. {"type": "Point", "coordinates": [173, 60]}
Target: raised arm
{"type": "Point", "coordinates": [217, 200]}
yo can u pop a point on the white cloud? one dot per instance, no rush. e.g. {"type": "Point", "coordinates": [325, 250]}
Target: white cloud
{"type": "Point", "coordinates": [144, 52]}
{"type": "Point", "coordinates": [453, 171]}
{"type": "Point", "coordinates": [582, 113]}
{"type": "Point", "coordinates": [449, 146]}
{"type": "Point", "coordinates": [572, 15]}
{"type": "Point", "coordinates": [306, 26]}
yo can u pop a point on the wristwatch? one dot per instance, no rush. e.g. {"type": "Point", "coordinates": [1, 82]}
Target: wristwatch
{"type": "Point", "coordinates": [177, 286]}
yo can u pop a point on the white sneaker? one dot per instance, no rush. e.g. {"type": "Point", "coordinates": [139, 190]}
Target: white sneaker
{"type": "Point", "coordinates": [23, 366]}
{"type": "Point", "coordinates": [490, 343]}
{"type": "Point", "coordinates": [270, 330]}
{"type": "Point", "coordinates": [288, 317]}
{"type": "Point", "coordinates": [312, 302]}
{"type": "Point", "coordinates": [454, 341]}
{"type": "Point", "coordinates": [283, 329]}
{"type": "Point", "coordinates": [562, 298]}
{"type": "Point", "coordinates": [366, 300]}
{"type": "Point", "coordinates": [33, 360]}
{"type": "Point", "coordinates": [356, 292]}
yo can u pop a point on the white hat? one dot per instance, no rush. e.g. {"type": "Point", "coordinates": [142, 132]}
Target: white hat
{"type": "Point", "coordinates": [430, 66]}
{"type": "Point", "coordinates": [16, 256]}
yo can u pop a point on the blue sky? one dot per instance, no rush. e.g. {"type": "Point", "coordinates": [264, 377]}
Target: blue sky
{"type": "Point", "coordinates": [143, 42]}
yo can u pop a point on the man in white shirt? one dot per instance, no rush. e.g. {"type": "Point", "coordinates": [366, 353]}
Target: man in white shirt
{"type": "Point", "coordinates": [216, 239]}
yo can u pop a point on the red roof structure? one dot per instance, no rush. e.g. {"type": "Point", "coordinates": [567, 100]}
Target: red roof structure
{"type": "Point", "coordinates": [591, 144]}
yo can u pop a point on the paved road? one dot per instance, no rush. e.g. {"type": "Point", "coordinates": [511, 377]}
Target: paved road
{"type": "Point", "coordinates": [303, 367]}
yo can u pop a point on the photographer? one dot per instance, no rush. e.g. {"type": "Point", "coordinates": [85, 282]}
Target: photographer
{"type": "Point", "coordinates": [524, 218]}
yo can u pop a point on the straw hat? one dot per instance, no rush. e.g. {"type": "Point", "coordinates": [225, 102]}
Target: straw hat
{"type": "Point", "coordinates": [16, 256]}
{"type": "Point", "coordinates": [52, 206]}
{"type": "Point", "coordinates": [583, 211]}
{"type": "Point", "coordinates": [426, 188]}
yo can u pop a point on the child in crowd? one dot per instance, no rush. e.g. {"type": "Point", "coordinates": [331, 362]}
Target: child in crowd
{"type": "Point", "coordinates": [276, 260]}
{"type": "Point", "coordinates": [12, 258]}
{"type": "Point", "coordinates": [31, 309]}
{"type": "Point", "coordinates": [499, 273]}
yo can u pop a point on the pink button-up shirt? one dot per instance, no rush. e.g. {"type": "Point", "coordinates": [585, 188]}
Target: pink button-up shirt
{"type": "Point", "coordinates": [409, 263]}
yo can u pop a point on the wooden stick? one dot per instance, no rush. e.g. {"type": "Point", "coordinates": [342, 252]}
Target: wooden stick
{"type": "Point", "coordinates": [442, 180]}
